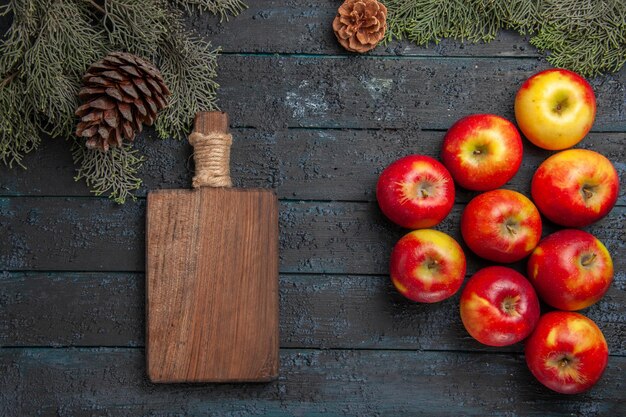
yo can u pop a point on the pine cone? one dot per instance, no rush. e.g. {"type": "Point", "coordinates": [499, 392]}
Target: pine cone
{"type": "Point", "coordinates": [121, 93]}
{"type": "Point", "coordinates": [360, 24]}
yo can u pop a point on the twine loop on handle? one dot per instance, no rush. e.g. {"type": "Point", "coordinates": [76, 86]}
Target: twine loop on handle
{"type": "Point", "coordinates": [212, 158]}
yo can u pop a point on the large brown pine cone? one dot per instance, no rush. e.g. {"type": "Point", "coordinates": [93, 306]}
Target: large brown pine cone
{"type": "Point", "coordinates": [121, 93]}
{"type": "Point", "coordinates": [360, 24]}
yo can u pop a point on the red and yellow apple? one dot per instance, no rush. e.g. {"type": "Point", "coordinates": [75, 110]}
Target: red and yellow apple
{"type": "Point", "coordinates": [427, 266]}
{"type": "Point", "coordinates": [501, 225]}
{"type": "Point", "coordinates": [575, 188]}
{"type": "Point", "coordinates": [415, 192]}
{"type": "Point", "coordinates": [570, 269]}
{"type": "Point", "coordinates": [482, 151]}
{"type": "Point", "coordinates": [499, 306]}
{"type": "Point", "coordinates": [567, 352]}
{"type": "Point", "coordinates": [555, 108]}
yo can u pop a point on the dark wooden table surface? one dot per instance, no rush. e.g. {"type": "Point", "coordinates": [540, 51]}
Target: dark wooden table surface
{"type": "Point", "coordinates": [318, 125]}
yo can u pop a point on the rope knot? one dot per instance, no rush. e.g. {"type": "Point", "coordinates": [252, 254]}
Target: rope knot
{"type": "Point", "coordinates": [211, 154]}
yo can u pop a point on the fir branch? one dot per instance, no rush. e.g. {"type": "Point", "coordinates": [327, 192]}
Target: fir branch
{"type": "Point", "coordinates": [50, 45]}
{"type": "Point", "coordinates": [586, 36]}
{"type": "Point", "coordinates": [189, 66]}
{"type": "Point", "coordinates": [424, 21]}
{"type": "Point", "coordinates": [26, 16]}
{"type": "Point", "coordinates": [63, 48]}
{"type": "Point", "coordinates": [223, 8]}
{"type": "Point", "coordinates": [19, 132]}
{"type": "Point", "coordinates": [137, 26]}
{"type": "Point", "coordinates": [113, 172]}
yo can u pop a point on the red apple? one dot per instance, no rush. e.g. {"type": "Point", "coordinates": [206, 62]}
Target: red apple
{"type": "Point", "coordinates": [499, 306]}
{"type": "Point", "coordinates": [427, 266]}
{"type": "Point", "coordinates": [575, 188]}
{"type": "Point", "coordinates": [415, 192]}
{"type": "Point", "coordinates": [501, 225]}
{"type": "Point", "coordinates": [567, 352]}
{"type": "Point", "coordinates": [555, 108]}
{"type": "Point", "coordinates": [482, 151]}
{"type": "Point", "coordinates": [570, 269]}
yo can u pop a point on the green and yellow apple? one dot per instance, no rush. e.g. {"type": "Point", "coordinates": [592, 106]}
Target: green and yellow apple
{"type": "Point", "coordinates": [555, 108]}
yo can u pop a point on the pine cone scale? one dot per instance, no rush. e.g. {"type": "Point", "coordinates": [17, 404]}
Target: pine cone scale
{"type": "Point", "coordinates": [125, 111]}
{"type": "Point", "coordinates": [120, 94]}
{"type": "Point", "coordinates": [131, 70]}
{"type": "Point", "coordinates": [129, 90]}
{"type": "Point", "coordinates": [113, 75]}
{"type": "Point", "coordinates": [115, 93]}
{"type": "Point", "coordinates": [141, 85]}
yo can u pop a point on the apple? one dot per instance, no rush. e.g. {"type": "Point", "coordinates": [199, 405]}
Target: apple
{"type": "Point", "coordinates": [575, 188]}
{"type": "Point", "coordinates": [499, 306]}
{"type": "Point", "coordinates": [415, 192]}
{"type": "Point", "coordinates": [570, 269]}
{"type": "Point", "coordinates": [427, 266]}
{"type": "Point", "coordinates": [501, 225]}
{"type": "Point", "coordinates": [555, 108]}
{"type": "Point", "coordinates": [567, 352]}
{"type": "Point", "coordinates": [482, 151]}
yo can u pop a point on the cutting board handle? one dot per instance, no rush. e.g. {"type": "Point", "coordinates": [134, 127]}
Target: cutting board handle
{"type": "Point", "coordinates": [211, 150]}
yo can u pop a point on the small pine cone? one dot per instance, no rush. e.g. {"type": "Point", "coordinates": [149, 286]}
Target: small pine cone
{"type": "Point", "coordinates": [121, 93]}
{"type": "Point", "coordinates": [360, 24]}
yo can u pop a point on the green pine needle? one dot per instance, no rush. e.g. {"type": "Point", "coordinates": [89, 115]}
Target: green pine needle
{"type": "Point", "coordinates": [586, 36]}
{"type": "Point", "coordinates": [189, 67]}
{"type": "Point", "coordinates": [19, 132]}
{"type": "Point", "coordinates": [223, 8]}
{"type": "Point", "coordinates": [113, 172]}
{"type": "Point", "coordinates": [137, 26]}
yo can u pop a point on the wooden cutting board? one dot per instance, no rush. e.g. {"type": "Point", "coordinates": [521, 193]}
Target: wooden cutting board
{"type": "Point", "coordinates": [212, 281]}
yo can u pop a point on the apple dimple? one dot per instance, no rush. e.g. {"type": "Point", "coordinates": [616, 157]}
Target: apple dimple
{"type": "Point", "coordinates": [588, 191]}
{"type": "Point", "coordinates": [587, 259]}
{"type": "Point", "coordinates": [480, 151]}
{"type": "Point", "coordinates": [509, 305]}
{"type": "Point", "coordinates": [561, 101]}
{"type": "Point", "coordinates": [566, 366]}
{"type": "Point", "coordinates": [511, 226]}
{"type": "Point", "coordinates": [415, 190]}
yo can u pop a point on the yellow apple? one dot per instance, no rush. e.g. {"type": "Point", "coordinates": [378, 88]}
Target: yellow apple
{"type": "Point", "coordinates": [555, 109]}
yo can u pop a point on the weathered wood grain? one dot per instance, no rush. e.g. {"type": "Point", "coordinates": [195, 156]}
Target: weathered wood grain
{"type": "Point", "coordinates": [305, 27]}
{"type": "Point", "coordinates": [307, 164]}
{"type": "Point", "coordinates": [93, 234]}
{"type": "Point", "coordinates": [316, 311]}
{"type": "Point", "coordinates": [272, 92]}
{"type": "Point", "coordinates": [212, 285]}
{"type": "Point", "coordinates": [87, 234]}
{"type": "Point", "coordinates": [105, 382]}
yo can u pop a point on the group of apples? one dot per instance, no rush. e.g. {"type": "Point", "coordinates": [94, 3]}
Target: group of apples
{"type": "Point", "coordinates": [570, 269]}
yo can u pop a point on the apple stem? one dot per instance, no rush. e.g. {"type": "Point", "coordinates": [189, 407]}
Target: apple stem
{"type": "Point", "coordinates": [588, 259]}
{"type": "Point", "coordinates": [433, 264]}
{"type": "Point", "coordinates": [511, 229]}
{"type": "Point", "coordinates": [587, 192]}
{"type": "Point", "coordinates": [424, 193]}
